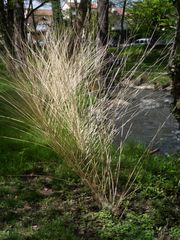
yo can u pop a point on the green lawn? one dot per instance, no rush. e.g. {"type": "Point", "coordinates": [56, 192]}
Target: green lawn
{"type": "Point", "coordinates": [41, 198]}
{"type": "Point", "coordinates": [153, 67]}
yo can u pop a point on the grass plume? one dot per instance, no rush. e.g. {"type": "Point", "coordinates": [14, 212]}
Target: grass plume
{"type": "Point", "coordinates": [57, 98]}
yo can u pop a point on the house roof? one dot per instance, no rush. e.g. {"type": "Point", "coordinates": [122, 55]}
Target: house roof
{"type": "Point", "coordinates": [43, 12]}
{"type": "Point", "coordinates": [73, 5]}
{"type": "Point", "coordinates": [117, 10]}
{"type": "Point", "coordinates": [94, 5]}
{"type": "Point", "coordinates": [72, 1]}
{"type": "Point", "coordinates": [48, 12]}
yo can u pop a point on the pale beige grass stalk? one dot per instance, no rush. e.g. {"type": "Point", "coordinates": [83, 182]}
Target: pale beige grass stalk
{"type": "Point", "coordinates": [53, 97]}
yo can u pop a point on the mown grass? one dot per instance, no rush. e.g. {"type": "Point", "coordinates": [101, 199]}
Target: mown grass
{"type": "Point", "coordinates": [47, 201]}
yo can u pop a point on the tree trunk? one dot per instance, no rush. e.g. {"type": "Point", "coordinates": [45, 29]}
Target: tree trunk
{"type": "Point", "coordinates": [122, 22]}
{"type": "Point", "coordinates": [175, 66]}
{"type": "Point", "coordinates": [19, 33]}
{"type": "Point", "coordinates": [81, 16]}
{"type": "Point", "coordinates": [57, 14]}
{"type": "Point", "coordinates": [89, 17]}
{"type": "Point", "coordinates": [102, 23]}
{"type": "Point", "coordinates": [81, 13]}
{"type": "Point", "coordinates": [102, 40]}
{"type": "Point", "coordinates": [12, 25]}
{"type": "Point", "coordinates": [3, 21]}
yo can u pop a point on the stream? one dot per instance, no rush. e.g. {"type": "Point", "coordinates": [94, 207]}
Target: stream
{"type": "Point", "coordinates": [154, 121]}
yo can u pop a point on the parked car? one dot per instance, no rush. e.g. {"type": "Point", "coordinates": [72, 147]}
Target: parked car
{"type": "Point", "coordinates": [142, 41]}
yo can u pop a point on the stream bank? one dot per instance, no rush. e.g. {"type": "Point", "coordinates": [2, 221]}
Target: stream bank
{"type": "Point", "coordinates": [154, 122]}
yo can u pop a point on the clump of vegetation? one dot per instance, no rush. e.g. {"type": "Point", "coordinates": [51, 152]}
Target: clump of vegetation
{"type": "Point", "coordinates": [64, 100]}
{"type": "Point", "coordinates": [36, 187]}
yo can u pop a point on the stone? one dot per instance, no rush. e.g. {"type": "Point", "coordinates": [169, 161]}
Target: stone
{"type": "Point", "coordinates": [178, 104]}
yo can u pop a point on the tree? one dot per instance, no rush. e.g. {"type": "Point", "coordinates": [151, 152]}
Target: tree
{"type": "Point", "coordinates": [6, 22]}
{"type": "Point", "coordinates": [31, 10]}
{"type": "Point", "coordinates": [102, 23]}
{"type": "Point", "coordinates": [57, 14]}
{"type": "Point", "coordinates": [175, 66]}
{"type": "Point", "coordinates": [152, 18]}
{"type": "Point", "coordinates": [81, 11]}
{"type": "Point", "coordinates": [3, 21]}
{"type": "Point", "coordinates": [122, 21]}
{"type": "Point", "coordinates": [12, 24]}
{"type": "Point", "coordinates": [81, 15]}
{"type": "Point", "coordinates": [19, 31]}
{"type": "Point", "coordinates": [102, 40]}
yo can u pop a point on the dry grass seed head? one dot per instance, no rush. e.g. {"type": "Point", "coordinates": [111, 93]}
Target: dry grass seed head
{"type": "Point", "coordinates": [54, 97]}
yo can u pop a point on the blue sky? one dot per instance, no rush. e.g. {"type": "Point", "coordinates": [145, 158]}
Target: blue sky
{"type": "Point", "coordinates": [36, 3]}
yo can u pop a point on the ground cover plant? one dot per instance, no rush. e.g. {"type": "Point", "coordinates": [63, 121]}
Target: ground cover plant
{"type": "Point", "coordinates": [47, 201]}
{"type": "Point", "coordinates": [41, 189]}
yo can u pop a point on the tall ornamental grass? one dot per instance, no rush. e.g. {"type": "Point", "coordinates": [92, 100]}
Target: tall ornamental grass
{"type": "Point", "coordinates": [65, 100]}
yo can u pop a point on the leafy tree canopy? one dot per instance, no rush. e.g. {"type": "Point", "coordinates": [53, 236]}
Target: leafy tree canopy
{"type": "Point", "coordinates": [152, 16]}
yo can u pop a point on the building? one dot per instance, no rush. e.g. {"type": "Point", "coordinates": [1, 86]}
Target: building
{"type": "Point", "coordinates": [39, 24]}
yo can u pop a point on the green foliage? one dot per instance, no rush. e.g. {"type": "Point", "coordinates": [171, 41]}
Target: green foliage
{"type": "Point", "coordinates": [56, 229]}
{"type": "Point", "coordinates": [177, 116]}
{"type": "Point", "coordinates": [175, 232]}
{"type": "Point", "coordinates": [153, 206]}
{"type": "Point", "coordinates": [85, 101]}
{"type": "Point", "coordinates": [30, 212]}
{"type": "Point", "coordinates": [153, 68]}
{"type": "Point", "coordinates": [133, 226]}
{"type": "Point", "coordinates": [148, 16]}
{"type": "Point", "coordinates": [38, 206]}
{"type": "Point", "coordinates": [18, 156]}
{"type": "Point", "coordinates": [36, 215]}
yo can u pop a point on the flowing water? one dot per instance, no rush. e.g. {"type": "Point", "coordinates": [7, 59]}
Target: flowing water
{"type": "Point", "coordinates": [155, 122]}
